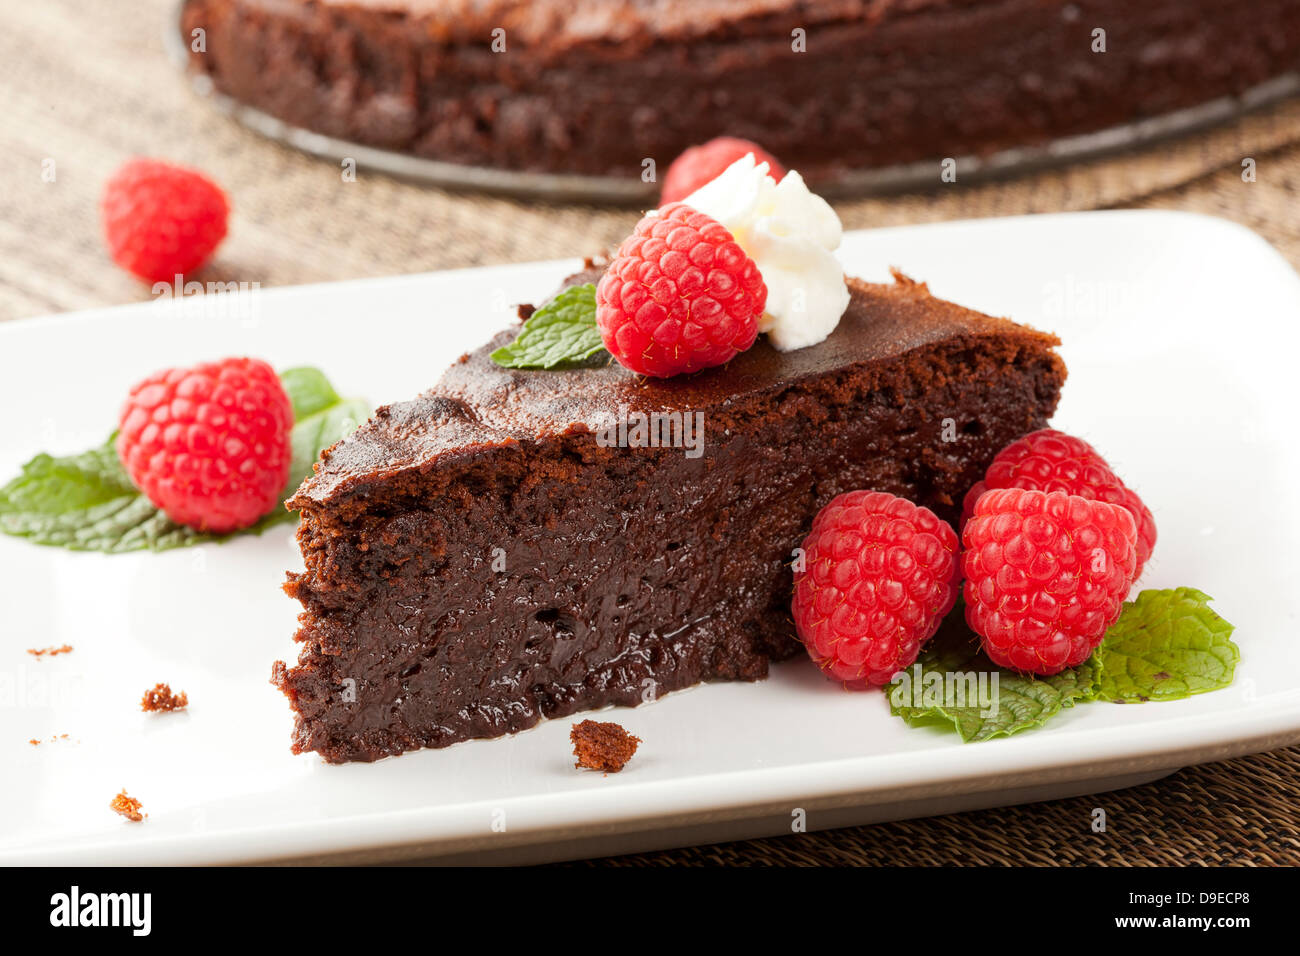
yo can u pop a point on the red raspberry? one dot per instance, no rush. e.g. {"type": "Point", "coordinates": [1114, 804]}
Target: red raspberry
{"type": "Point", "coordinates": [701, 164]}
{"type": "Point", "coordinates": [1048, 460]}
{"type": "Point", "coordinates": [162, 220]}
{"type": "Point", "coordinates": [879, 575]}
{"type": "Point", "coordinates": [209, 445]}
{"type": "Point", "coordinates": [679, 295]}
{"type": "Point", "coordinates": [1046, 574]}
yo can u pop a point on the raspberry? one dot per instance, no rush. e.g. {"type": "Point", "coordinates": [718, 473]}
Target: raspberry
{"type": "Point", "coordinates": [679, 295]}
{"type": "Point", "coordinates": [701, 164]}
{"type": "Point", "coordinates": [879, 575]}
{"type": "Point", "coordinates": [162, 220]}
{"type": "Point", "coordinates": [1046, 574]}
{"type": "Point", "coordinates": [209, 445]}
{"type": "Point", "coordinates": [1048, 460]}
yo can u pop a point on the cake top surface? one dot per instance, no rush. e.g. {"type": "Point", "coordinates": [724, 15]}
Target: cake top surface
{"type": "Point", "coordinates": [478, 404]}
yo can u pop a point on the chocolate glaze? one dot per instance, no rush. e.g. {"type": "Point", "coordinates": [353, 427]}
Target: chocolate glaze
{"type": "Point", "coordinates": [597, 87]}
{"type": "Point", "coordinates": [476, 560]}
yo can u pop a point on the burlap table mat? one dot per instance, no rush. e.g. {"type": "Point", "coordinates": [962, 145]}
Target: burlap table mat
{"type": "Point", "coordinates": [87, 85]}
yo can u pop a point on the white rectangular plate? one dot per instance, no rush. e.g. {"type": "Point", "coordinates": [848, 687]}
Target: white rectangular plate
{"type": "Point", "coordinates": [1180, 334]}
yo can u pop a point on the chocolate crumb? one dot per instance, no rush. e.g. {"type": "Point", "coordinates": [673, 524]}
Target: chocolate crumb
{"type": "Point", "coordinates": [602, 746]}
{"type": "Point", "coordinates": [161, 698]}
{"type": "Point", "coordinates": [51, 651]}
{"type": "Point", "coordinates": [128, 807]}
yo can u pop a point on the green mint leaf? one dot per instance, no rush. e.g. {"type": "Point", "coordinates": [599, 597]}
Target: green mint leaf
{"type": "Point", "coordinates": [1166, 645]}
{"type": "Point", "coordinates": [954, 686]}
{"type": "Point", "coordinates": [561, 334]}
{"type": "Point", "coordinates": [309, 391]}
{"type": "Point", "coordinates": [86, 502]}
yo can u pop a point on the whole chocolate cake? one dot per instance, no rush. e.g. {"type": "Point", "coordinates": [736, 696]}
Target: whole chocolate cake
{"type": "Point", "coordinates": [504, 548]}
{"type": "Point", "coordinates": [600, 86]}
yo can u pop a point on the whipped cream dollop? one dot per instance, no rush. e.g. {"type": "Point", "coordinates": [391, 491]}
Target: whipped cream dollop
{"type": "Point", "coordinates": [791, 234]}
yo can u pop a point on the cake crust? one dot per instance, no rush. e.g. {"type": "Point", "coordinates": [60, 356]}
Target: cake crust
{"type": "Point", "coordinates": [479, 405]}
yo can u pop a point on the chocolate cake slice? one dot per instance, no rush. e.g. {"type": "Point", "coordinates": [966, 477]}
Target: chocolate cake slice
{"type": "Point", "coordinates": [514, 545]}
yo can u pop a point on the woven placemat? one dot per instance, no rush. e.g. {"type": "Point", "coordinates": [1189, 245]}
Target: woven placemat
{"type": "Point", "coordinates": [1243, 812]}
{"type": "Point", "coordinates": [86, 85]}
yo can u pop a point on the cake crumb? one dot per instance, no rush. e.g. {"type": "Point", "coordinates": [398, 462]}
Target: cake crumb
{"type": "Point", "coordinates": [602, 746]}
{"type": "Point", "coordinates": [161, 698]}
{"type": "Point", "coordinates": [36, 743]}
{"type": "Point", "coordinates": [128, 807]}
{"type": "Point", "coordinates": [51, 651]}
